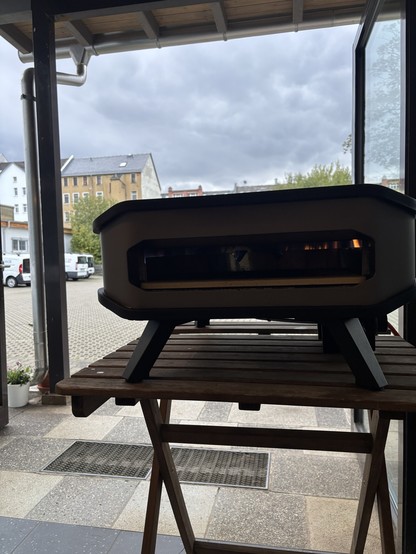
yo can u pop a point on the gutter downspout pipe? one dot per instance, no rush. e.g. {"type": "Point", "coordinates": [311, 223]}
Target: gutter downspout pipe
{"type": "Point", "coordinates": [34, 211]}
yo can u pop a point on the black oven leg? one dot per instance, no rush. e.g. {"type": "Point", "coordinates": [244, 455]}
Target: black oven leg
{"type": "Point", "coordinates": [149, 346]}
{"type": "Point", "coordinates": [353, 343]}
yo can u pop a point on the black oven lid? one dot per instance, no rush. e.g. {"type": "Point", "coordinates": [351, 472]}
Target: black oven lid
{"type": "Point", "coordinates": [252, 198]}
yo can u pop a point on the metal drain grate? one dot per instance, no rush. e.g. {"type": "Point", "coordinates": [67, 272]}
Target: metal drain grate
{"type": "Point", "coordinates": [194, 465]}
{"type": "Point", "coordinates": [222, 467]}
{"type": "Point", "coordinates": [100, 458]}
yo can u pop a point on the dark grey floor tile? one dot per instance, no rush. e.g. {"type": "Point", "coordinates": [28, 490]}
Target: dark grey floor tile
{"type": "Point", "coordinates": [55, 538]}
{"type": "Point", "coordinates": [128, 542]}
{"type": "Point", "coordinates": [13, 532]}
{"type": "Point", "coordinates": [31, 454]}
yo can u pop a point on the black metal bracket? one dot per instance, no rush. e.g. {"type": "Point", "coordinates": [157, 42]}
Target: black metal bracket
{"type": "Point", "coordinates": [353, 343]}
{"type": "Point", "coordinates": [149, 346]}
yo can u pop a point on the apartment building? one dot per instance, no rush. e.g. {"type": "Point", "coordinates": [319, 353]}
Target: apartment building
{"type": "Point", "coordinates": [118, 178]}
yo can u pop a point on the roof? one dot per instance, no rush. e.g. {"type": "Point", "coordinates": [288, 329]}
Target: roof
{"type": "Point", "coordinates": [5, 165]}
{"type": "Point", "coordinates": [106, 165]}
{"type": "Point", "coordinates": [103, 26]}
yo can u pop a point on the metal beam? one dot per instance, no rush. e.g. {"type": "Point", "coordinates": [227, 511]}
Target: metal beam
{"type": "Point", "coordinates": [298, 6]}
{"type": "Point", "coordinates": [220, 17]}
{"type": "Point", "coordinates": [150, 26]}
{"type": "Point", "coordinates": [50, 192]}
{"type": "Point", "coordinates": [16, 38]}
{"type": "Point", "coordinates": [80, 32]}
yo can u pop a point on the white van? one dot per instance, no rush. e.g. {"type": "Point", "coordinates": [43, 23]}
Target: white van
{"type": "Point", "coordinates": [16, 270]}
{"type": "Point", "coordinates": [76, 266]}
{"type": "Point", "coordinates": [90, 261]}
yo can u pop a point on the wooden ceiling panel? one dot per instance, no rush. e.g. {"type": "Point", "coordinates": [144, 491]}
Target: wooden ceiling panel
{"type": "Point", "coordinates": [182, 21]}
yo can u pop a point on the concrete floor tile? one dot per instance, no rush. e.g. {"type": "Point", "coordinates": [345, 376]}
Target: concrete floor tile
{"type": "Point", "coordinates": [130, 411]}
{"type": "Point", "coordinates": [316, 476]}
{"type": "Point", "coordinates": [259, 517]}
{"type": "Point", "coordinates": [129, 430]}
{"type": "Point", "coordinates": [21, 492]}
{"type": "Point", "coordinates": [199, 500]}
{"type": "Point", "coordinates": [215, 412]}
{"type": "Point", "coordinates": [32, 422]}
{"type": "Point", "coordinates": [278, 416]}
{"type": "Point", "coordinates": [130, 543]}
{"type": "Point", "coordinates": [31, 454]}
{"type": "Point", "coordinates": [187, 409]}
{"type": "Point", "coordinates": [337, 535]}
{"type": "Point", "coordinates": [94, 501]}
{"type": "Point", "coordinates": [336, 418]}
{"type": "Point", "coordinates": [91, 428]}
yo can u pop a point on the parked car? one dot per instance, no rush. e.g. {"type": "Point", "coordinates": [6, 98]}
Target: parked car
{"type": "Point", "coordinates": [76, 266]}
{"type": "Point", "coordinates": [16, 270]}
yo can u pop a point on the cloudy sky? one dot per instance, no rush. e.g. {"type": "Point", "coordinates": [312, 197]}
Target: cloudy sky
{"type": "Point", "coordinates": [212, 114]}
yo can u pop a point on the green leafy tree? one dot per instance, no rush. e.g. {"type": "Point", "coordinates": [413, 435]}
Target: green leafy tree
{"type": "Point", "coordinates": [318, 176]}
{"type": "Point", "coordinates": [83, 238]}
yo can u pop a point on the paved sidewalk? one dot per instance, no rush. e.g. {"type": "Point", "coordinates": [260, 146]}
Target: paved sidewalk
{"type": "Point", "coordinates": [310, 501]}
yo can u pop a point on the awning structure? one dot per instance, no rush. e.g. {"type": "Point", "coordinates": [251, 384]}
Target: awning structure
{"type": "Point", "coordinates": [117, 26]}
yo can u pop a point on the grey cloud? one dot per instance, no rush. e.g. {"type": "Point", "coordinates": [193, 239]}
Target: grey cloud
{"type": "Point", "coordinates": [218, 113]}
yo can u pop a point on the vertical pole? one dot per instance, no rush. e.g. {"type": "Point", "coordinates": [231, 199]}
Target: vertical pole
{"type": "Point", "coordinates": [50, 190]}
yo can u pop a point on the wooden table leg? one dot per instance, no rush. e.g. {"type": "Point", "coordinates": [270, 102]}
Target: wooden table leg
{"type": "Point", "coordinates": [155, 494]}
{"type": "Point", "coordinates": [167, 469]}
{"type": "Point", "coordinates": [384, 513]}
{"type": "Point", "coordinates": [379, 426]}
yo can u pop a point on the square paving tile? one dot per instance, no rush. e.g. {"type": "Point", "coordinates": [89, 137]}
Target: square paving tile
{"type": "Point", "coordinates": [199, 500]}
{"type": "Point", "coordinates": [262, 518]}
{"type": "Point", "coordinates": [21, 492]}
{"type": "Point", "coordinates": [13, 531]}
{"type": "Point", "coordinates": [31, 423]}
{"type": "Point", "coordinates": [337, 535]}
{"type": "Point", "coordinates": [315, 475]}
{"type": "Point", "coordinates": [129, 430]}
{"type": "Point", "coordinates": [90, 428]}
{"type": "Point", "coordinates": [30, 454]}
{"type": "Point", "coordinates": [130, 543]}
{"type": "Point", "coordinates": [85, 500]}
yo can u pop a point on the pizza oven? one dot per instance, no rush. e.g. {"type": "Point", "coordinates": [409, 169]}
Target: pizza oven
{"type": "Point", "coordinates": [337, 252]}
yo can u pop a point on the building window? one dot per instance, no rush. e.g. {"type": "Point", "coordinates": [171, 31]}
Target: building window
{"type": "Point", "coordinates": [65, 181]}
{"type": "Point", "coordinates": [99, 180]}
{"type": "Point", "coordinates": [66, 217]}
{"type": "Point", "coordinates": [25, 208]}
{"type": "Point", "coordinates": [134, 195]}
{"type": "Point", "coordinates": [15, 191]}
{"type": "Point", "coordinates": [84, 181]}
{"type": "Point", "coordinates": [66, 198]}
{"type": "Point", "coordinates": [24, 191]}
{"type": "Point", "coordinates": [75, 197]}
{"type": "Point", "coordinates": [14, 179]}
{"type": "Point", "coordinates": [19, 245]}
{"type": "Point", "coordinates": [99, 194]}
{"type": "Point", "coordinates": [16, 208]}
{"type": "Point", "coordinates": [85, 194]}
{"type": "Point", "coordinates": [75, 181]}
{"type": "Point", "coordinates": [133, 177]}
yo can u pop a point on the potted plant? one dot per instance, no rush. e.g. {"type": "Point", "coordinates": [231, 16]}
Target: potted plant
{"type": "Point", "coordinates": [18, 383]}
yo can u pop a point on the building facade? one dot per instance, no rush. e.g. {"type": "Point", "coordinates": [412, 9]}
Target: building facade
{"type": "Point", "coordinates": [117, 178]}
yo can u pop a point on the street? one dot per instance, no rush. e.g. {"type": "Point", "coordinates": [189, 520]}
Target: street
{"type": "Point", "coordinates": [93, 331]}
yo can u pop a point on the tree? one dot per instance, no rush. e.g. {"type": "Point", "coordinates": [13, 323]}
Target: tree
{"type": "Point", "coordinates": [83, 238]}
{"type": "Point", "coordinates": [318, 176]}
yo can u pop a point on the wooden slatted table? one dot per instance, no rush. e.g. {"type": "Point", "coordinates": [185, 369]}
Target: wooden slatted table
{"type": "Point", "coordinates": [255, 369]}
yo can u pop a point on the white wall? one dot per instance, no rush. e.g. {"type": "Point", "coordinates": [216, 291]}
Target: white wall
{"type": "Point", "coordinates": [7, 236]}
{"type": "Point", "coordinates": [150, 182]}
{"type": "Point", "coordinates": [13, 190]}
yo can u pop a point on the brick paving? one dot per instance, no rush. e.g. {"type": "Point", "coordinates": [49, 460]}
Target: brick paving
{"type": "Point", "coordinates": [93, 331]}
